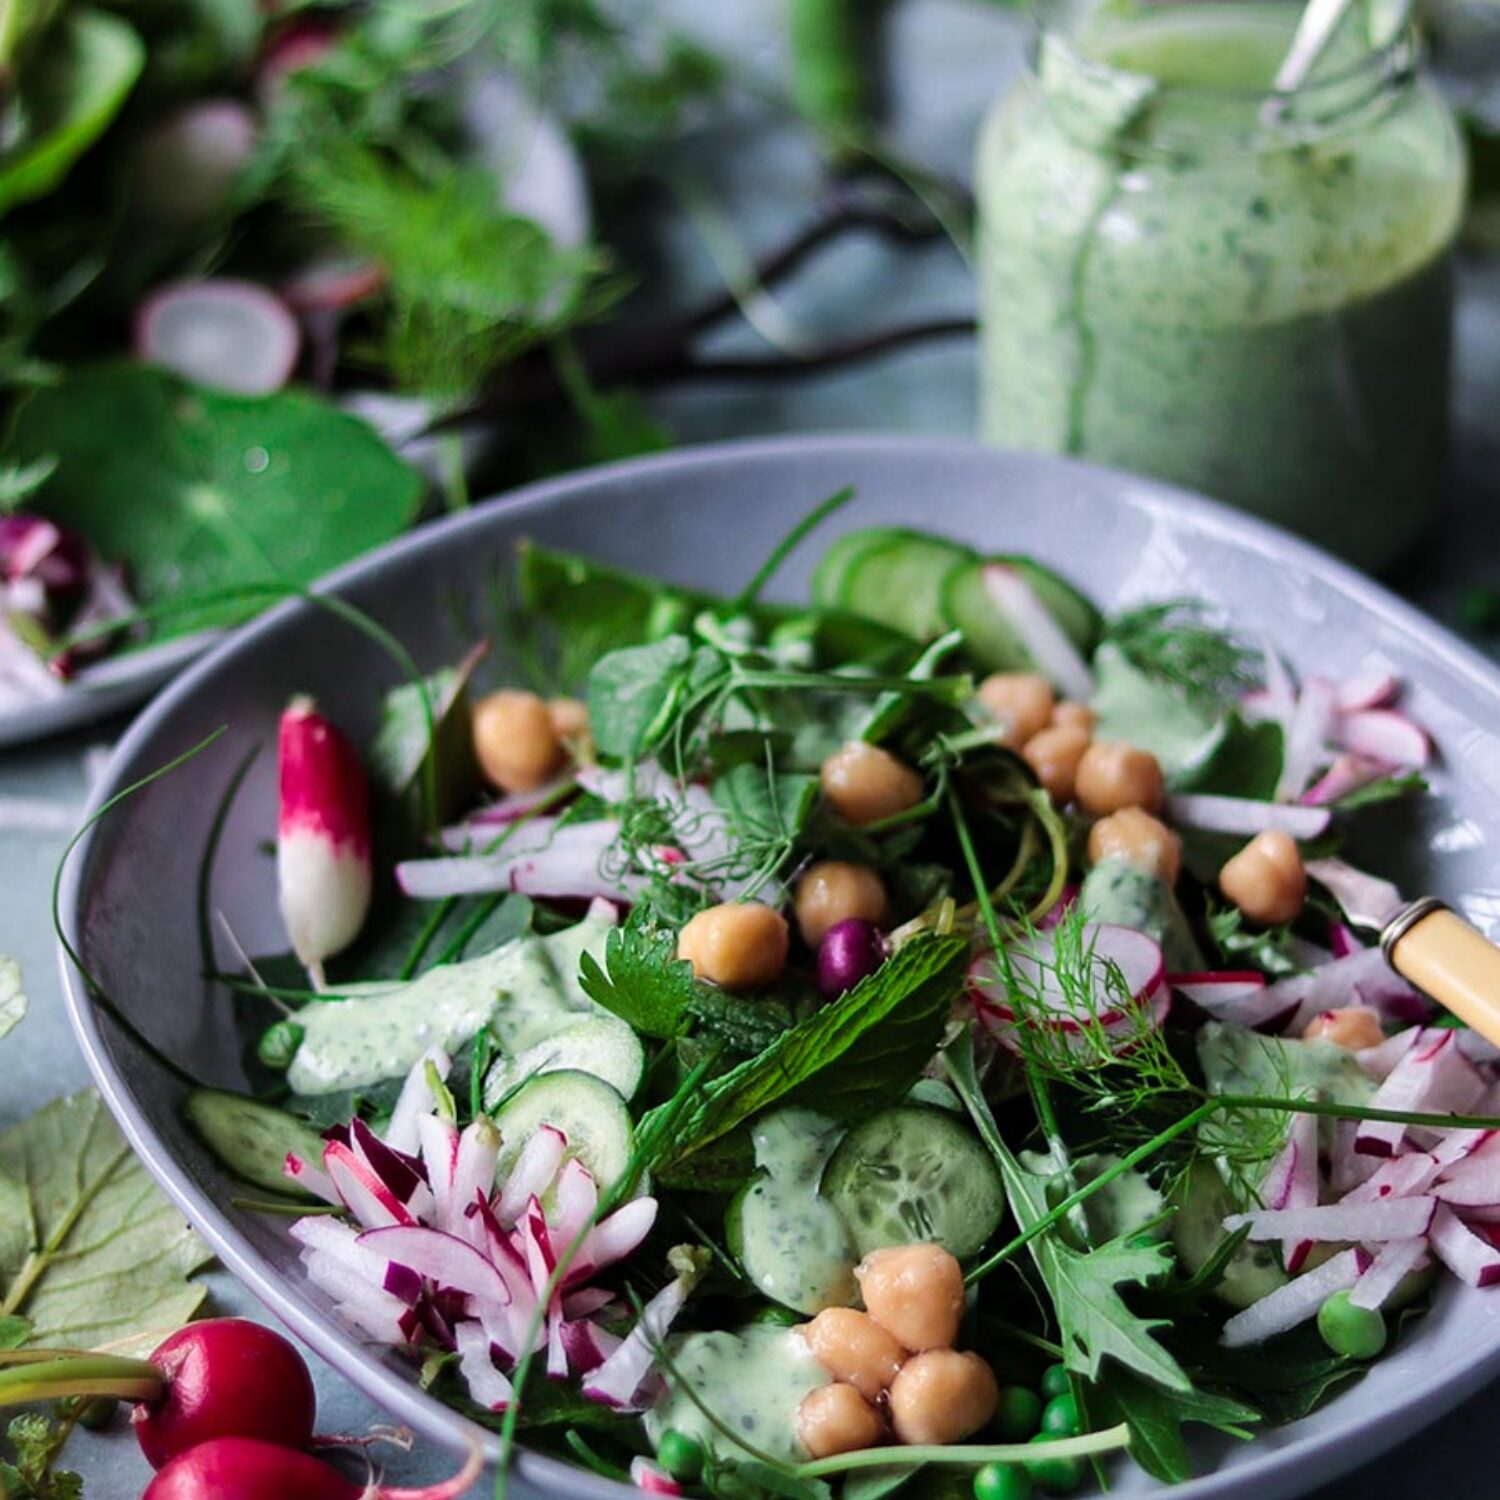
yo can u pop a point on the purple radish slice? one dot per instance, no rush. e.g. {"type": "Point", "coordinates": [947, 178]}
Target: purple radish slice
{"type": "Point", "coordinates": [1245, 815]}
{"type": "Point", "coordinates": [1307, 736]}
{"type": "Point", "coordinates": [1347, 774]}
{"type": "Point", "coordinates": [1035, 963]}
{"type": "Point", "coordinates": [232, 335]}
{"type": "Point", "coordinates": [186, 166]}
{"type": "Point", "coordinates": [1372, 687]}
{"type": "Point", "coordinates": [1295, 1302]}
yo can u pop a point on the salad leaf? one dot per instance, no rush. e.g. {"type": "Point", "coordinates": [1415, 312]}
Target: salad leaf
{"type": "Point", "coordinates": [197, 491]}
{"type": "Point", "coordinates": [1246, 762]}
{"type": "Point", "coordinates": [1177, 644]}
{"type": "Point", "coordinates": [1156, 1418]}
{"type": "Point", "coordinates": [70, 91]}
{"type": "Point", "coordinates": [763, 806]}
{"type": "Point", "coordinates": [642, 980]}
{"type": "Point", "coordinates": [1387, 789]}
{"type": "Point", "coordinates": [12, 996]}
{"type": "Point", "coordinates": [865, 1049]}
{"type": "Point", "coordinates": [90, 1252]}
{"type": "Point", "coordinates": [633, 692]}
{"type": "Point", "coordinates": [401, 745]}
{"type": "Point", "coordinates": [38, 1442]}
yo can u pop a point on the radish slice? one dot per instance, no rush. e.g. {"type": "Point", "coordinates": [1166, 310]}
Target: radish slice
{"type": "Point", "coordinates": [1242, 999]}
{"type": "Point", "coordinates": [1384, 734]}
{"type": "Point", "coordinates": [1434, 1077]}
{"type": "Point", "coordinates": [1246, 815]}
{"type": "Point", "coordinates": [1395, 1262]}
{"type": "Point", "coordinates": [645, 1475]}
{"type": "Point", "coordinates": [1300, 1188]}
{"type": "Point", "coordinates": [332, 285]}
{"type": "Point", "coordinates": [1045, 641]}
{"type": "Point", "coordinates": [618, 1381]}
{"type": "Point", "coordinates": [1398, 1177]}
{"type": "Point", "coordinates": [1472, 1258]}
{"type": "Point", "coordinates": [1379, 1061]}
{"type": "Point", "coordinates": [487, 1386]}
{"type": "Point", "coordinates": [1373, 687]}
{"type": "Point", "coordinates": [1347, 774]}
{"type": "Point", "coordinates": [1377, 1219]}
{"type": "Point", "coordinates": [233, 335]}
{"type": "Point", "coordinates": [1306, 738]}
{"type": "Point", "coordinates": [1295, 1302]}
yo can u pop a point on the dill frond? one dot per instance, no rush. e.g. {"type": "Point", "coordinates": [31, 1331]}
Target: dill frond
{"type": "Point", "coordinates": [1176, 643]}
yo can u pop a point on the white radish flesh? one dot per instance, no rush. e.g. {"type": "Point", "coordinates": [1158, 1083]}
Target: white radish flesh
{"type": "Point", "coordinates": [1433, 1077]}
{"type": "Point", "coordinates": [1379, 1219]}
{"type": "Point", "coordinates": [1470, 1256]}
{"type": "Point", "coordinates": [1046, 642]}
{"type": "Point", "coordinates": [1384, 734]}
{"type": "Point", "coordinates": [1395, 1262]}
{"type": "Point", "coordinates": [233, 335]}
{"type": "Point", "coordinates": [1245, 815]}
{"type": "Point", "coordinates": [1295, 1302]}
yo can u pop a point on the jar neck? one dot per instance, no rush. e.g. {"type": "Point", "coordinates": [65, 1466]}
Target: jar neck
{"type": "Point", "coordinates": [1185, 75]}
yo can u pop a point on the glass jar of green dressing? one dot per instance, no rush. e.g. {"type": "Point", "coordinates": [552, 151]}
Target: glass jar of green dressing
{"type": "Point", "coordinates": [1247, 295]}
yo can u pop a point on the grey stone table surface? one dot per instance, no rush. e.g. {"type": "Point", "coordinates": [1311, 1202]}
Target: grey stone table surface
{"type": "Point", "coordinates": [950, 57]}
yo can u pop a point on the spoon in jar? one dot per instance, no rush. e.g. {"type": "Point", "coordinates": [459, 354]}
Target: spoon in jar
{"type": "Point", "coordinates": [1319, 21]}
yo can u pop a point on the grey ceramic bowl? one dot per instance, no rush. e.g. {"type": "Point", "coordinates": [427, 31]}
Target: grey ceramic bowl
{"type": "Point", "coordinates": [706, 518]}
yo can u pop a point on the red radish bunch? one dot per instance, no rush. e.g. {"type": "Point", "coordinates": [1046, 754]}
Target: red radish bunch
{"type": "Point", "coordinates": [323, 867]}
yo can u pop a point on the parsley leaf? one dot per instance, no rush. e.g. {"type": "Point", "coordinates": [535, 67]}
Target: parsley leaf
{"type": "Point", "coordinates": [642, 980]}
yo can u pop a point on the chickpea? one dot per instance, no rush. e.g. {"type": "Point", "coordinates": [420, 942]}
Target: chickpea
{"type": "Point", "coordinates": [514, 740]}
{"type": "Point", "coordinates": [1140, 840]}
{"type": "Point", "coordinates": [865, 784]}
{"type": "Point", "coordinates": [853, 1347]}
{"type": "Point", "coordinates": [740, 945]}
{"type": "Point", "coordinates": [1022, 701]}
{"type": "Point", "coordinates": [837, 1419]}
{"type": "Point", "coordinates": [1053, 753]}
{"type": "Point", "coordinates": [832, 891]}
{"type": "Point", "coordinates": [915, 1293]}
{"type": "Point", "coordinates": [570, 722]}
{"type": "Point", "coordinates": [1112, 775]}
{"type": "Point", "coordinates": [1354, 1028]}
{"type": "Point", "coordinates": [1266, 879]}
{"type": "Point", "coordinates": [942, 1396]}
{"type": "Point", "coordinates": [1072, 714]}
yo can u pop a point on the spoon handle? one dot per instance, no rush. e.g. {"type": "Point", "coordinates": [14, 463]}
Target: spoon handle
{"type": "Point", "coordinates": [1450, 960]}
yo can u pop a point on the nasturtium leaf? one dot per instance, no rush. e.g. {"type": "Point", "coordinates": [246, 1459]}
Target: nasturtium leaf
{"type": "Point", "coordinates": [70, 90]}
{"type": "Point", "coordinates": [198, 492]}
{"type": "Point", "coordinates": [90, 1251]}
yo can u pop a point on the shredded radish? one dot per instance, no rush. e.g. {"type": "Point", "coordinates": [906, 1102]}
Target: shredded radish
{"type": "Point", "coordinates": [1433, 1077]}
{"type": "Point", "coordinates": [1244, 815]}
{"type": "Point", "coordinates": [1470, 1256]}
{"type": "Point", "coordinates": [1347, 774]}
{"type": "Point", "coordinates": [1307, 737]}
{"type": "Point", "coordinates": [1243, 999]}
{"type": "Point", "coordinates": [1395, 1262]}
{"type": "Point", "coordinates": [1295, 1302]}
{"type": "Point", "coordinates": [1047, 644]}
{"type": "Point", "coordinates": [1377, 1219]}
{"type": "Point", "coordinates": [618, 1381]}
{"type": "Point", "coordinates": [1372, 687]}
{"type": "Point", "coordinates": [645, 1475]}
{"type": "Point", "coordinates": [1384, 734]}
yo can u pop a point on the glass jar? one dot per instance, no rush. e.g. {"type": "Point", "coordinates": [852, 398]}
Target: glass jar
{"type": "Point", "coordinates": [1249, 296]}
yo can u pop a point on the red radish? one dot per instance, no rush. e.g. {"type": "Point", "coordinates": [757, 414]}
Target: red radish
{"type": "Point", "coordinates": [1246, 815]}
{"type": "Point", "coordinates": [185, 167]}
{"type": "Point", "coordinates": [331, 285]}
{"type": "Point", "coordinates": [1045, 640]}
{"type": "Point", "coordinates": [323, 865]}
{"type": "Point", "coordinates": [1242, 997]}
{"type": "Point", "coordinates": [1372, 687]}
{"type": "Point", "coordinates": [230, 334]}
{"type": "Point", "coordinates": [1434, 1077]}
{"type": "Point", "coordinates": [1306, 738]}
{"type": "Point", "coordinates": [1384, 734]}
{"type": "Point", "coordinates": [226, 1377]}
{"type": "Point", "coordinates": [1347, 774]}
{"type": "Point", "coordinates": [234, 1468]}
{"type": "Point", "coordinates": [650, 1477]}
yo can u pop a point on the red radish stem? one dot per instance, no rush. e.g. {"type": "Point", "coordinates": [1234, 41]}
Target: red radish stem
{"type": "Point", "coordinates": [323, 864]}
{"type": "Point", "coordinates": [232, 1468]}
{"type": "Point", "coordinates": [226, 333]}
{"type": "Point", "coordinates": [226, 1377]}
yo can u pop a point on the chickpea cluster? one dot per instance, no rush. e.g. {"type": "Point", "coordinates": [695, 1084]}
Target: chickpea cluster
{"type": "Point", "coordinates": [895, 1370]}
{"type": "Point", "coordinates": [522, 741]}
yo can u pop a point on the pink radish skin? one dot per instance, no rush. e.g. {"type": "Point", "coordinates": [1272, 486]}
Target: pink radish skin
{"type": "Point", "coordinates": [323, 866]}
{"type": "Point", "coordinates": [226, 1377]}
{"type": "Point", "coordinates": [233, 335]}
{"type": "Point", "coordinates": [332, 286]}
{"type": "Point", "coordinates": [232, 1468]}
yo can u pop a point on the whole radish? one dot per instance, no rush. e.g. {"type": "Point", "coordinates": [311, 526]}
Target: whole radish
{"type": "Point", "coordinates": [323, 866]}
{"type": "Point", "coordinates": [233, 1468]}
{"type": "Point", "coordinates": [225, 1377]}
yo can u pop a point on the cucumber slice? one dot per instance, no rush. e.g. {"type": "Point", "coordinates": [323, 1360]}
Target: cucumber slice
{"type": "Point", "coordinates": [1203, 1202]}
{"type": "Point", "coordinates": [603, 1046]}
{"type": "Point", "coordinates": [586, 1109]}
{"type": "Point", "coordinates": [252, 1139]}
{"type": "Point", "coordinates": [989, 635]}
{"type": "Point", "coordinates": [898, 580]}
{"type": "Point", "coordinates": [915, 1173]}
{"type": "Point", "coordinates": [827, 589]}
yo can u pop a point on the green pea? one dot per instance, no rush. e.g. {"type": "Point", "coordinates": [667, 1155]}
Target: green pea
{"type": "Point", "coordinates": [680, 1455]}
{"type": "Point", "coordinates": [1002, 1482]}
{"type": "Point", "coordinates": [1018, 1413]}
{"type": "Point", "coordinates": [1354, 1332]}
{"type": "Point", "coordinates": [1055, 1381]}
{"type": "Point", "coordinates": [1057, 1475]}
{"type": "Point", "coordinates": [1060, 1416]}
{"type": "Point", "coordinates": [278, 1044]}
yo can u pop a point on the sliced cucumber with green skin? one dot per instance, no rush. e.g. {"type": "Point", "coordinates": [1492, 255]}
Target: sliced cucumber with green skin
{"type": "Point", "coordinates": [827, 589]}
{"type": "Point", "coordinates": [897, 579]}
{"type": "Point", "coordinates": [252, 1139]}
{"type": "Point", "coordinates": [915, 1173]}
{"type": "Point", "coordinates": [1203, 1202]}
{"type": "Point", "coordinates": [991, 638]}
{"type": "Point", "coordinates": [585, 1109]}
{"type": "Point", "coordinates": [603, 1046]}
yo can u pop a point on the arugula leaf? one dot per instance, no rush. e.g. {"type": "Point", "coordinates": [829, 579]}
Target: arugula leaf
{"type": "Point", "coordinates": [197, 491]}
{"type": "Point", "coordinates": [765, 807]}
{"type": "Point", "coordinates": [12, 996]}
{"type": "Point", "coordinates": [69, 92]}
{"type": "Point", "coordinates": [1156, 1418]}
{"type": "Point", "coordinates": [856, 1054]}
{"type": "Point", "coordinates": [90, 1251]}
{"type": "Point", "coordinates": [1093, 1320]}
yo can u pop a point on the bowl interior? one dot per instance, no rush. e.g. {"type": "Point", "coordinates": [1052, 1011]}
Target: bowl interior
{"type": "Point", "coordinates": [707, 518]}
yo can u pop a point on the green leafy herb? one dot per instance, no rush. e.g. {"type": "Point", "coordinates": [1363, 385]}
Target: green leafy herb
{"type": "Point", "coordinates": [231, 481]}
{"type": "Point", "coordinates": [90, 1252]}
{"type": "Point", "coordinates": [1175, 643]}
{"type": "Point", "coordinates": [38, 1441]}
{"type": "Point", "coordinates": [642, 981]}
{"type": "Point", "coordinates": [406, 739]}
{"type": "Point", "coordinates": [1387, 789]}
{"type": "Point", "coordinates": [633, 692]}
{"type": "Point", "coordinates": [1246, 762]}
{"type": "Point", "coordinates": [851, 1057]}
{"type": "Point", "coordinates": [1156, 1419]}
{"type": "Point", "coordinates": [20, 482]}
{"type": "Point", "coordinates": [12, 996]}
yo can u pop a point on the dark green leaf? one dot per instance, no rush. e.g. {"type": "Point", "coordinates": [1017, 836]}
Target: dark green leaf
{"type": "Point", "coordinates": [402, 745]}
{"type": "Point", "coordinates": [865, 1049]}
{"type": "Point", "coordinates": [765, 807]}
{"type": "Point", "coordinates": [1156, 1418]}
{"type": "Point", "coordinates": [1387, 789]}
{"type": "Point", "coordinates": [632, 692]}
{"type": "Point", "coordinates": [197, 491]}
{"type": "Point", "coordinates": [642, 981]}
{"type": "Point", "coordinates": [70, 91]}
{"type": "Point", "coordinates": [1245, 763]}
{"type": "Point", "coordinates": [14, 1331]}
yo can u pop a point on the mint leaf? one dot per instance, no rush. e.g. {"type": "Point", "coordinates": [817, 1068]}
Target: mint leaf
{"type": "Point", "coordinates": [197, 491]}
{"type": "Point", "coordinates": [1093, 1320]}
{"type": "Point", "coordinates": [851, 1057]}
{"type": "Point", "coordinates": [1156, 1418]}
